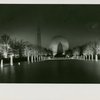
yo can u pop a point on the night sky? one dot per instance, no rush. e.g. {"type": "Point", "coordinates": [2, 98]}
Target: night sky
{"type": "Point", "coordinates": [77, 23]}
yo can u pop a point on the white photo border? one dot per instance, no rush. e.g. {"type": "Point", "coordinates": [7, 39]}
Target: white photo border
{"type": "Point", "coordinates": [49, 91]}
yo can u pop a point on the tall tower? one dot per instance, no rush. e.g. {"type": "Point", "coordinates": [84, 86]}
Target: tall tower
{"type": "Point", "coordinates": [38, 37]}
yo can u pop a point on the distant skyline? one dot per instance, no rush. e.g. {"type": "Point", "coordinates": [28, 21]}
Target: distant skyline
{"type": "Point", "coordinates": [77, 23]}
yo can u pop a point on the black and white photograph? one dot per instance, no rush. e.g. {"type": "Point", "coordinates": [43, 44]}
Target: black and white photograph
{"type": "Point", "coordinates": [50, 43]}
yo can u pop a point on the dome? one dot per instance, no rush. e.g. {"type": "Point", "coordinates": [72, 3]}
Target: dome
{"type": "Point", "coordinates": [55, 41]}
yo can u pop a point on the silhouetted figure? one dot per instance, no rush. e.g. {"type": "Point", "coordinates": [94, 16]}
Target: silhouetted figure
{"type": "Point", "coordinates": [59, 50]}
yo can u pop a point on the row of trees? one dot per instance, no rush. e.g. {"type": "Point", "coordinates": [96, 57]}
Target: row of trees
{"type": "Point", "coordinates": [19, 48]}
{"type": "Point", "coordinates": [90, 50]}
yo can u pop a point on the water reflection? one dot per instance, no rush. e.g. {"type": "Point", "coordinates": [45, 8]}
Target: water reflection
{"type": "Point", "coordinates": [97, 70]}
{"type": "Point", "coordinates": [69, 71]}
{"type": "Point", "coordinates": [12, 73]}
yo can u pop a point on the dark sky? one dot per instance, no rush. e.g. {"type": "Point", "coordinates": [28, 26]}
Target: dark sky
{"type": "Point", "coordinates": [78, 23]}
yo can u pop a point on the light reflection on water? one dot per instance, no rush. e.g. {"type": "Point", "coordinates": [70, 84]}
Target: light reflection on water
{"type": "Point", "coordinates": [69, 71]}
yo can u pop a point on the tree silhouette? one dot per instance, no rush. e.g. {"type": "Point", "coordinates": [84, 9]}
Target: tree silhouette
{"type": "Point", "coordinates": [68, 53]}
{"type": "Point", "coordinates": [59, 50]}
{"type": "Point", "coordinates": [76, 51]}
{"type": "Point", "coordinates": [18, 47]}
{"type": "Point", "coordinates": [88, 49]}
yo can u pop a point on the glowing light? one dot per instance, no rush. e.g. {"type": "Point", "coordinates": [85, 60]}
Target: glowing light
{"type": "Point", "coordinates": [55, 41]}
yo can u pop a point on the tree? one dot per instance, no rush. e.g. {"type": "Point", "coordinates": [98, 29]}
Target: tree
{"type": "Point", "coordinates": [18, 47]}
{"type": "Point", "coordinates": [89, 49]}
{"type": "Point", "coordinates": [5, 44]}
{"type": "Point", "coordinates": [49, 52]}
{"type": "Point", "coordinates": [96, 49]}
{"type": "Point", "coordinates": [60, 49]}
{"type": "Point", "coordinates": [68, 53]}
{"type": "Point", "coordinates": [76, 51]}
